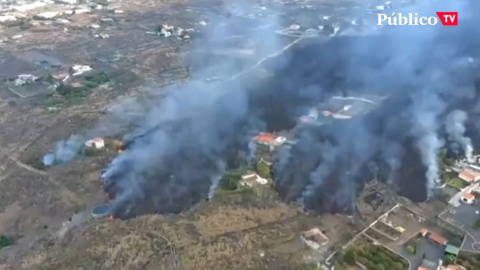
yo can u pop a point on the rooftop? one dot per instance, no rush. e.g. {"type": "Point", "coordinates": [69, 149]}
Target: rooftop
{"type": "Point", "coordinates": [266, 138]}
{"type": "Point", "coordinates": [468, 176]}
{"type": "Point", "coordinates": [452, 250]}
{"type": "Point", "coordinates": [468, 196]}
{"type": "Point", "coordinates": [315, 235]}
{"type": "Point", "coordinates": [429, 265]}
{"type": "Point", "coordinates": [437, 238]}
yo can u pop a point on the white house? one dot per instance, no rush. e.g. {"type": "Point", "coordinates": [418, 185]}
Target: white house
{"type": "Point", "coordinates": [79, 69]}
{"type": "Point", "coordinates": [98, 143]}
{"type": "Point", "coordinates": [314, 238]}
{"type": "Point", "coordinates": [468, 198]}
{"type": "Point", "coordinates": [48, 15]}
{"type": "Point", "coordinates": [251, 179]}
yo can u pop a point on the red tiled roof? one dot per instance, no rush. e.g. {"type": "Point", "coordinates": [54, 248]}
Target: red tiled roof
{"type": "Point", "coordinates": [266, 138]}
{"type": "Point", "coordinates": [437, 238]}
{"type": "Point", "coordinates": [97, 140]}
{"type": "Point", "coordinates": [468, 176]}
{"type": "Point", "coordinates": [468, 196]}
{"type": "Point", "coordinates": [422, 268]}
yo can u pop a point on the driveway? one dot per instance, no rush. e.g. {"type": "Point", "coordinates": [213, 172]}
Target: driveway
{"type": "Point", "coordinates": [426, 249]}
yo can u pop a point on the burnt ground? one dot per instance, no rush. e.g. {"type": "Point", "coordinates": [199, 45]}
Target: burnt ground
{"type": "Point", "coordinates": [236, 232]}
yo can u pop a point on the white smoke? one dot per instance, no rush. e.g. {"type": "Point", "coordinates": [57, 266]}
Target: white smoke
{"type": "Point", "coordinates": [455, 127]}
{"type": "Point", "coordinates": [65, 151]}
{"type": "Point", "coordinates": [252, 150]}
{"type": "Point", "coordinates": [216, 179]}
{"type": "Point", "coordinates": [425, 113]}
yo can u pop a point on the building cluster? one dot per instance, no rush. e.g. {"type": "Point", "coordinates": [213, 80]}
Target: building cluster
{"type": "Point", "coordinates": [469, 172]}
{"type": "Point", "coordinates": [59, 13]}
{"type": "Point", "coordinates": [269, 141]}
{"type": "Point", "coordinates": [449, 250]}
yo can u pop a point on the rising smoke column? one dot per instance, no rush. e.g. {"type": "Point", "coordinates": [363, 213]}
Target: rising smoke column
{"type": "Point", "coordinates": [65, 151]}
{"type": "Point", "coordinates": [197, 125]}
{"type": "Point", "coordinates": [185, 142]}
{"type": "Point", "coordinates": [455, 127]}
{"type": "Point", "coordinates": [184, 161]}
{"type": "Point", "coordinates": [412, 67]}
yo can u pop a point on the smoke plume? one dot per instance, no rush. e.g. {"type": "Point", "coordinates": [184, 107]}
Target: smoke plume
{"type": "Point", "coordinates": [455, 127]}
{"type": "Point", "coordinates": [65, 151]}
{"type": "Point", "coordinates": [400, 82]}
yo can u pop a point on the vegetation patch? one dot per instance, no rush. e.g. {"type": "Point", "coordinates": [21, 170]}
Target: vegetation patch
{"type": "Point", "coordinates": [375, 257]}
{"type": "Point", "coordinates": [5, 241]}
{"type": "Point", "coordinates": [23, 24]}
{"type": "Point", "coordinates": [411, 245]}
{"type": "Point", "coordinates": [73, 94]}
{"type": "Point", "coordinates": [469, 260]}
{"type": "Point", "coordinates": [94, 80]}
{"type": "Point", "coordinates": [263, 170]}
{"type": "Point", "coordinates": [230, 180]}
{"type": "Point", "coordinates": [456, 183]}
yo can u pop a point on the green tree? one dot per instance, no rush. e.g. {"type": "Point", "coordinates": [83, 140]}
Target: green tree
{"type": "Point", "coordinates": [5, 241]}
{"type": "Point", "coordinates": [450, 259]}
{"type": "Point", "coordinates": [370, 265]}
{"type": "Point", "coordinates": [338, 266]}
{"type": "Point", "coordinates": [410, 249]}
{"type": "Point", "coordinates": [362, 260]}
{"type": "Point", "coordinates": [263, 170]}
{"type": "Point", "coordinates": [350, 257]}
{"type": "Point", "coordinates": [398, 266]}
{"type": "Point", "coordinates": [230, 180]}
{"type": "Point", "coordinates": [456, 242]}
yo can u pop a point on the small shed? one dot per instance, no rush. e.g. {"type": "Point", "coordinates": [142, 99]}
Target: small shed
{"type": "Point", "coordinates": [98, 143]}
{"type": "Point", "coordinates": [314, 238]}
{"type": "Point", "coordinates": [452, 250]}
{"type": "Point", "coordinates": [468, 198]}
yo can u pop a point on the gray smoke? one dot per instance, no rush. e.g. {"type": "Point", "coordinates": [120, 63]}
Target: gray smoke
{"type": "Point", "coordinates": [65, 151]}
{"type": "Point", "coordinates": [455, 127]}
{"type": "Point", "coordinates": [323, 170]}
{"type": "Point", "coordinates": [216, 179]}
{"type": "Point", "coordinates": [181, 145]}
{"type": "Point", "coordinates": [425, 128]}
{"type": "Point", "coordinates": [252, 150]}
{"type": "Point", "coordinates": [423, 73]}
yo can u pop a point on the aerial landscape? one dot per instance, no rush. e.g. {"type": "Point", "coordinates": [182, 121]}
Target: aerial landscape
{"type": "Point", "coordinates": [263, 134]}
